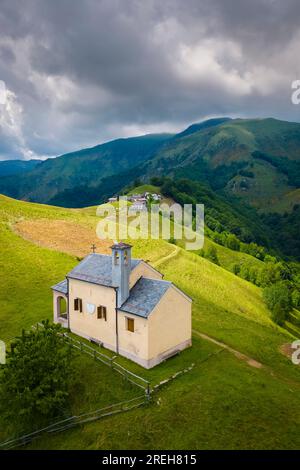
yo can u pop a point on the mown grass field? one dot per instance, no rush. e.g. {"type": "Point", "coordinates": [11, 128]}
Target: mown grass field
{"type": "Point", "coordinates": [223, 402]}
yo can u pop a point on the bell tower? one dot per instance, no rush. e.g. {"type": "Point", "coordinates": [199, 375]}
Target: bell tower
{"type": "Point", "coordinates": [121, 267]}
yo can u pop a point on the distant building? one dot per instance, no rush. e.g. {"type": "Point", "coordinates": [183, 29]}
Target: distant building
{"type": "Point", "coordinates": [155, 197]}
{"type": "Point", "coordinates": [134, 197]}
{"type": "Point", "coordinates": [140, 199]}
{"type": "Point", "coordinates": [138, 206]}
{"type": "Point", "coordinates": [113, 199]}
{"type": "Point", "coordinates": [126, 306]}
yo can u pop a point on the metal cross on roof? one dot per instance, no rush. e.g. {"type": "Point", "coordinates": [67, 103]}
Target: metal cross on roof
{"type": "Point", "coordinates": [93, 247]}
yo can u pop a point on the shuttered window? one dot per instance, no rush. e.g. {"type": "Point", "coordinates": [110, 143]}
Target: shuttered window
{"type": "Point", "coordinates": [130, 324]}
{"type": "Point", "coordinates": [78, 305]}
{"type": "Point", "coordinates": [101, 312]}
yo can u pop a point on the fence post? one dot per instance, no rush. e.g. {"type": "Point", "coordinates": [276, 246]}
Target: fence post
{"type": "Point", "coordinates": [148, 392]}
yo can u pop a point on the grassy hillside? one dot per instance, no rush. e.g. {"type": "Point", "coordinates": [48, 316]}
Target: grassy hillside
{"type": "Point", "coordinates": [144, 188]}
{"type": "Point", "coordinates": [220, 404]}
{"type": "Point", "coordinates": [224, 394]}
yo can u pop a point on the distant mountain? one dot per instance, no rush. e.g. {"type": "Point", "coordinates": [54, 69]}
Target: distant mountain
{"type": "Point", "coordinates": [256, 160]}
{"type": "Point", "coordinates": [253, 165]}
{"type": "Point", "coordinates": [87, 168]}
{"type": "Point", "coordinates": [15, 167]}
{"type": "Point", "coordinates": [202, 125]}
{"type": "Point", "coordinates": [252, 160]}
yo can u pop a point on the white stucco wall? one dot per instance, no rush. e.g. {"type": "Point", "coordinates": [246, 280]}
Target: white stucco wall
{"type": "Point", "coordinates": [88, 325]}
{"type": "Point", "coordinates": [134, 345]}
{"type": "Point", "coordinates": [170, 325]}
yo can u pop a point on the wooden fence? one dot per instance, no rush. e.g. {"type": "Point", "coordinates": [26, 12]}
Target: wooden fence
{"type": "Point", "coordinates": [72, 421]}
{"type": "Point", "coordinates": [110, 410]}
{"type": "Point", "coordinates": [109, 361]}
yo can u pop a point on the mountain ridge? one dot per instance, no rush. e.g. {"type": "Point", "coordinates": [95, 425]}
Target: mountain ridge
{"type": "Point", "coordinates": [14, 167]}
{"type": "Point", "coordinates": [256, 161]}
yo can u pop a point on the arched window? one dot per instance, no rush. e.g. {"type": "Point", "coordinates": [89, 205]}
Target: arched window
{"type": "Point", "coordinates": [125, 257]}
{"type": "Point", "coordinates": [117, 257]}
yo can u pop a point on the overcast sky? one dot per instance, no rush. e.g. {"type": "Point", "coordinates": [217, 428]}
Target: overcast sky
{"type": "Point", "coordinates": [80, 72]}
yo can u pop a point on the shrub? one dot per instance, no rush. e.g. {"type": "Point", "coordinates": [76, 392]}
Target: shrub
{"type": "Point", "coordinates": [296, 298]}
{"type": "Point", "coordinates": [212, 254]}
{"type": "Point", "coordinates": [34, 382]}
{"type": "Point", "coordinates": [269, 274]}
{"type": "Point", "coordinates": [244, 272]}
{"type": "Point", "coordinates": [232, 242]}
{"type": "Point", "coordinates": [235, 268]}
{"type": "Point", "coordinates": [279, 315]}
{"type": "Point", "coordinates": [157, 180]}
{"type": "Point", "coordinates": [253, 275]}
{"type": "Point", "coordinates": [278, 299]}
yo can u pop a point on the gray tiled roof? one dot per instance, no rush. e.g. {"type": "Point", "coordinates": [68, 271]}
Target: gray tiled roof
{"type": "Point", "coordinates": [144, 296]}
{"type": "Point", "coordinates": [96, 268]}
{"type": "Point", "coordinates": [61, 287]}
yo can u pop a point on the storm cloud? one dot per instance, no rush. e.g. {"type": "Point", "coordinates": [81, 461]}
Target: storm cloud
{"type": "Point", "coordinates": [79, 72]}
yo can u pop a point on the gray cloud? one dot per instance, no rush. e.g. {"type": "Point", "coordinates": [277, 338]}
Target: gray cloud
{"type": "Point", "coordinates": [82, 72]}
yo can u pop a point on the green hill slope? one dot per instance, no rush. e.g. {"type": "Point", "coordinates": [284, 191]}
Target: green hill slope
{"type": "Point", "coordinates": [207, 407]}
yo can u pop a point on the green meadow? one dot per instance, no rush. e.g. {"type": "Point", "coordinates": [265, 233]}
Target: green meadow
{"type": "Point", "coordinates": [223, 402]}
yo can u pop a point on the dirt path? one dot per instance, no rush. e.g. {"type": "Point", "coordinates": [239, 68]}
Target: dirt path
{"type": "Point", "coordinates": [249, 360]}
{"type": "Point", "coordinates": [238, 354]}
{"type": "Point", "coordinates": [169, 256]}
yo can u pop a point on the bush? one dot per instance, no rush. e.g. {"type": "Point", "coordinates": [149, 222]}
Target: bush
{"type": "Point", "coordinates": [157, 180]}
{"type": "Point", "coordinates": [212, 254]}
{"type": "Point", "coordinates": [278, 299]}
{"type": "Point", "coordinates": [269, 274]}
{"type": "Point", "coordinates": [244, 272]}
{"type": "Point", "coordinates": [279, 315]}
{"type": "Point", "coordinates": [34, 382]}
{"type": "Point", "coordinates": [296, 298]}
{"type": "Point", "coordinates": [235, 268]}
{"type": "Point", "coordinates": [233, 242]}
